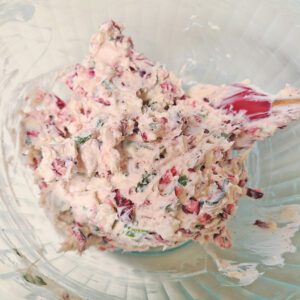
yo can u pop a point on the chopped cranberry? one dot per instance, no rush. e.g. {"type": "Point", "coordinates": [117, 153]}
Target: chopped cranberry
{"type": "Point", "coordinates": [144, 136]}
{"type": "Point", "coordinates": [255, 104]}
{"type": "Point", "coordinates": [159, 238]}
{"type": "Point", "coordinates": [166, 178]}
{"type": "Point", "coordinates": [183, 97]}
{"type": "Point", "coordinates": [132, 69]}
{"type": "Point", "coordinates": [205, 219]}
{"type": "Point", "coordinates": [206, 131]}
{"type": "Point", "coordinates": [70, 81]}
{"type": "Point", "coordinates": [191, 170]}
{"type": "Point", "coordinates": [91, 73]}
{"type": "Point", "coordinates": [142, 73]}
{"type": "Point", "coordinates": [123, 127]}
{"type": "Point", "coordinates": [78, 233]}
{"type": "Point", "coordinates": [60, 103]}
{"type": "Point", "coordinates": [125, 207]}
{"type": "Point", "coordinates": [242, 182]}
{"type": "Point", "coordinates": [229, 209]}
{"type": "Point", "coordinates": [81, 91]}
{"type": "Point", "coordinates": [42, 185]}
{"type": "Point", "coordinates": [222, 241]}
{"type": "Point", "coordinates": [35, 163]}
{"type": "Point", "coordinates": [118, 196]}
{"type": "Point", "coordinates": [252, 130]}
{"type": "Point", "coordinates": [205, 99]}
{"type": "Point", "coordinates": [163, 120]}
{"type": "Point", "coordinates": [178, 191]}
{"type": "Point", "coordinates": [254, 193]}
{"type": "Point", "coordinates": [192, 207]}
{"type": "Point", "coordinates": [146, 202]}
{"type": "Point", "coordinates": [59, 167]}
{"type": "Point", "coordinates": [173, 171]}
{"type": "Point", "coordinates": [32, 133]}
{"type": "Point", "coordinates": [103, 101]}
{"type": "Point", "coordinates": [60, 132]}
{"type": "Point", "coordinates": [116, 25]}
{"type": "Point", "coordinates": [168, 87]}
{"type": "Point", "coordinates": [261, 224]}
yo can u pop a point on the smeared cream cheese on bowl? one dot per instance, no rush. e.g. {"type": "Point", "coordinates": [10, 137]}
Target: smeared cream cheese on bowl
{"type": "Point", "coordinates": [129, 160]}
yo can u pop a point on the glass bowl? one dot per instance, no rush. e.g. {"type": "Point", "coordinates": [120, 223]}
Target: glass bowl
{"type": "Point", "coordinates": [207, 41]}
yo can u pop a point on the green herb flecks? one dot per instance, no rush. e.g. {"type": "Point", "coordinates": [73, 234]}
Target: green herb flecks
{"type": "Point", "coordinates": [134, 232]}
{"type": "Point", "coordinates": [172, 207]}
{"type": "Point", "coordinates": [183, 180]}
{"type": "Point", "coordinates": [100, 123]}
{"type": "Point", "coordinates": [199, 226]}
{"type": "Point", "coordinates": [153, 126]}
{"type": "Point", "coordinates": [146, 178]}
{"type": "Point", "coordinates": [107, 84]}
{"type": "Point", "coordinates": [34, 279]}
{"type": "Point", "coordinates": [28, 141]}
{"type": "Point", "coordinates": [202, 115]}
{"type": "Point", "coordinates": [169, 208]}
{"type": "Point", "coordinates": [81, 140]}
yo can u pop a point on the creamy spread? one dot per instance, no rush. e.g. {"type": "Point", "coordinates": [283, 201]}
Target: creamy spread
{"type": "Point", "coordinates": [130, 160]}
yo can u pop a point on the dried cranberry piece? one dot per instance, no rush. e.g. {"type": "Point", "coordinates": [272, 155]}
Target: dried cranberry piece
{"type": "Point", "coordinates": [103, 101]}
{"type": "Point", "coordinates": [125, 207]}
{"type": "Point", "coordinates": [222, 241]}
{"type": "Point", "coordinates": [205, 219]}
{"type": "Point", "coordinates": [261, 224]}
{"type": "Point", "coordinates": [229, 209]}
{"type": "Point", "coordinates": [192, 207]}
{"type": "Point", "coordinates": [254, 193]}
{"type": "Point", "coordinates": [60, 103]}
{"type": "Point", "coordinates": [144, 136]}
{"type": "Point", "coordinates": [173, 171]}
{"type": "Point", "coordinates": [178, 191]}
{"type": "Point", "coordinates": [59, 166]}
{"type": "Point", "coordinates": [166, 178]}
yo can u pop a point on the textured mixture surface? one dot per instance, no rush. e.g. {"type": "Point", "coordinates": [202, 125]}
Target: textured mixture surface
{"type": "Point", "coordinates": [130, 160]}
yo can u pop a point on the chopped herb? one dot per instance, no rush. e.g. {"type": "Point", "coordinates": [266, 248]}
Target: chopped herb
{"type": "Point", "coordinates": [131, 232]}
{"type": "Point", "coordinates": [225, 135]}
{"type": "Point", "coordinates": [107, 84]}
{"type": "Point", "coordinates": [96, 228]}
{"type": "Point", "coordinates": [146, 178]}
{"type": "Point", "coordinates": [153, 126]}
{"type": "Point", "coordinates": [199, 226]}
{"type": "Point", "coordinates": [169, 208]}
{"type": "Point", "coordinates": [81, 140]}
{"type": "Point", "coordinates": [100, 123]}
{"type": "Point", "coordinates": [28, 141]}
{"type": "Point", "coordinates": [183, 180]}
{"type": "Point", "coordinates": [40, 281]}
{"type": "Point", "coordinates": [203, 114]}
{"type": "Point", "coordinates": [172, 206]}
{"type": "Point", "coordinates": [114, 224]}
{"type": "Point", "coordinates": [34, 279]}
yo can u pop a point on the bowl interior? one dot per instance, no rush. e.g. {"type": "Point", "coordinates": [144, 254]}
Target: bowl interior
{"type": "Point", "coordinates": [200, 41]}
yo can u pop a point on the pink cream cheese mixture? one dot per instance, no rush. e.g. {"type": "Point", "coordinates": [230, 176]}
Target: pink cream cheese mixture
{"type": "Point", "coordinates": [129, 160]}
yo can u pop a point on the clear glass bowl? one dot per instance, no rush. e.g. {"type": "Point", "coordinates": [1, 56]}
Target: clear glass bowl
{"type": "Point", "coordinates": [208, 41]}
